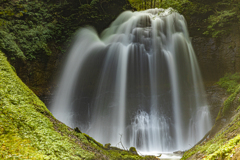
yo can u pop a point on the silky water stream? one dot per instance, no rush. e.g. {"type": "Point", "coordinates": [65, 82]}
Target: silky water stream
{"type": "Point", "coordinates": [139, 82]}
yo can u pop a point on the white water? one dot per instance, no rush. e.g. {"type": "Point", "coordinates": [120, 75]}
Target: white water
{"type": "Point", "coordinates": [139, 80]}
{"type": "Point", "coordinates": [163, 156]}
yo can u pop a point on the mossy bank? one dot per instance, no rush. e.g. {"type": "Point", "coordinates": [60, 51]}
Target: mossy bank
{"type": "Point", "coordinates": [29, 131]}
{"type": "Point", "coordinates": [223, 140]}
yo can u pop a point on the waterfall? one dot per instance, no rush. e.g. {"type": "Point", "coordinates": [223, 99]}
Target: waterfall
{"type": "Point", "coordinates": [138, 81]}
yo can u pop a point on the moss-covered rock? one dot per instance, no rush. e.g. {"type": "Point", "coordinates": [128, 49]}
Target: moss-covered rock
{"type": "Point", "coordinates": [133, 150]}
{"type": "Point", "coordinates": [107, 146]}
{"type": "Point", "coordinates": [223, 140]}
{"type": "Point", "coordinates": [29, 131]}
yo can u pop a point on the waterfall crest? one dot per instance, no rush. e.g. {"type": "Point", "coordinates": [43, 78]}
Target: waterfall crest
{"type": "Point", "coordinates": [139, 79]}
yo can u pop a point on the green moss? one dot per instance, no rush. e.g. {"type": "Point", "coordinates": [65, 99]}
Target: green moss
{"type": "Point", "coordinates": [132, 149]}
{"type": "Point", "coordinates": [224, 151]}
{"type": "Point", "coordinates": [29, 131]}
{"type": "Point", "coordinates": [227, 103]}
{"type": "Point", "coordinates": [107, 146]}
{"type": "Point", "coordinates": [219, 145]}
{"type": "Point", "coordinates": [23, 121]}
{"type": "Point", "coordinates": [230, 82]}
{"type": "Point", "coordinates": [238, 108]}
{"type": "Point", "coordinates": [93, 141]}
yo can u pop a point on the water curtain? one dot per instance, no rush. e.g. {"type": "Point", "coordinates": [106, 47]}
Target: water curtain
{"type": "Point", "coordinates": [139, 80]}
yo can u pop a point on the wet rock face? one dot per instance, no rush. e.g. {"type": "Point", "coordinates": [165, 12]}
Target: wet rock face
{"type": "Point", "coordinates": [38, 74]}
{"type": "Point", "coordinates": [219, 56]}
{"type": "Point", "coordinates": [215, 96]}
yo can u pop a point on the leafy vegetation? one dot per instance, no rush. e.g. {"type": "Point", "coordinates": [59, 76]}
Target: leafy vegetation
{"type": "Point", "coordinates": [29, 131]}
{"type": "Point", "coordinates": [224, 151]}
{"type": "Point", "coordinates": [213, 17]}
{"type": "Point", "coordinates": [147, 4]}
{"type": "Point", "coordinates": [29, 29]}
{"type": "Point", "coordinates": [229, 82]}
{"type": "Point", "coordinates": [26, 29]}
{"type": "Point", "coordinates": [226, 13]}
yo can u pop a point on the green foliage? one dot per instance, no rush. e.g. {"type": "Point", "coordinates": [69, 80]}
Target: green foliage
{"type": "Point", "coordinates": [230, 99]}
{"type": "Point", "coordinates": [225, 13]}
{"type": "Point", "coordinates": [238, 108]}
{"type": "Point", "coordinates": [26, 30]}
{"type": "Point", "coordinates": [225, 150]}
{"type": "Point", "coordinates": [176, 4]}
{"type": "Point", "coordinates": [230, 82]}
{"type": "Point", "coordinates": [29, 29]}
{"type": "Point", "coordinates": [213, 17]}
{"type": "Point", "coordinates": [218, 22]}
{"type": "Point", "coordinates": [7, 43]}
{"type": "Point", "coordinates": [186, 7]}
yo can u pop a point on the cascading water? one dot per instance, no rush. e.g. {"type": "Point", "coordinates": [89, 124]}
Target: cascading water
{"type": "Point", "coordinates": [140, 79]}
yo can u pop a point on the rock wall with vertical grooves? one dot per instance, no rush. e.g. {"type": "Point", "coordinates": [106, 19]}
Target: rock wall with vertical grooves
{"type": "Point", "coordinates": [218, 56]}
